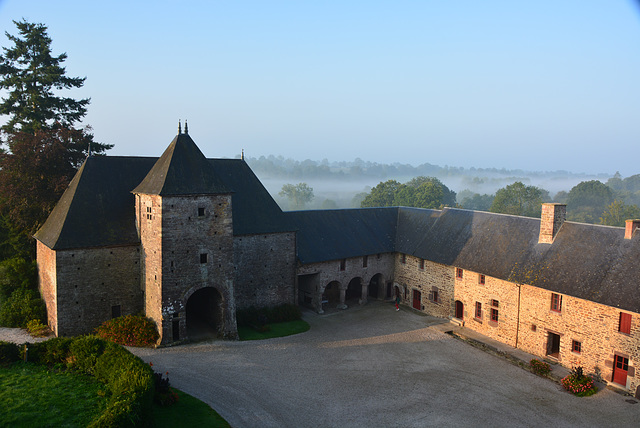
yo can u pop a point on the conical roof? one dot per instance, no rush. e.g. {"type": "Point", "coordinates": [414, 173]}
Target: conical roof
{"type": "Point", "coordinates": [182, 170]}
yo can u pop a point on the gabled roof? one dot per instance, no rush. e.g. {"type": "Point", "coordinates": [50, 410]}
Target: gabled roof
{"type": "Point", "coordinates": [98, 208]}
{"type": "Point", "coordinates": [182, 170]}
{"type": "Point", "coordinates": [586, 261]}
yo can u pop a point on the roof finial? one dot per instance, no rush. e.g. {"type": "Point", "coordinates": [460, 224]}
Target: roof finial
{"type": "Point", "coordinates": [179, 127]}
{"type": "Point", "coordinates": [186, 127]}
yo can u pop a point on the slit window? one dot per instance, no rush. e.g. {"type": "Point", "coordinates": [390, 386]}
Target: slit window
{"type": "Point", "coordinates": [200, 212]}
{"type": "Point", "coordinates": [203, 258]}
{"type": "Point", "coordinates": [343, 264]}
{"type": "Point", "coordinates": [365, 261]}
{"type": "Point", "coordinates": [459, 273]}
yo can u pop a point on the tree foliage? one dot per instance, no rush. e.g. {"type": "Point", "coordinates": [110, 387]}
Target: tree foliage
{"type": "Point", "coordinates": [298, 194]}
{"type": "Point", "coordinates": [477, 202]}
{"type": "Point", "coordinates": [618, 212]}
{"type": "Point", "coordinates": [519, 199]}
{"type": "Point", "coordinates": [30, 73]}
{"type": "Point", "coordinates": [588, 200]}
{"type": "Point", "coordinates": [420, 192]}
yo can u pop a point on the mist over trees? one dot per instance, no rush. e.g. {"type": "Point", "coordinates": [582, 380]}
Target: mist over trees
{"type": "Point", "coordinates": [420, 192]}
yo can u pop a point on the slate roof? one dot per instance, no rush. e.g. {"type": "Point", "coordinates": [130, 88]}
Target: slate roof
{"type": "Point", "coordinates": [586, 261]}
{"type": "Point", "coordinates": [98, 207]}
{"type": "Point", "coordinates": [182, 170]}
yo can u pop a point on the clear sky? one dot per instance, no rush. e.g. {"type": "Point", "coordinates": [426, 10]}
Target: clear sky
{"type": "Point", "coordinates": [537, 85]}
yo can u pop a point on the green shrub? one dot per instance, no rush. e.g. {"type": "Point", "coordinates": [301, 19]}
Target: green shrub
{"type": "Point", "coordinates": [84, 352]}
{"type": "Point", "coordinates": [22, 306]}
{"type": "Point", "coordinates": [539, 367]}
{"type": "Point", "coordinates": [9, 353]}
{"type": "Point", "coordinates": [37, 328]}
{"type": "Point", "coordinates": [17, 273]}
{"type": "Point", "coordinates": [50, 353]}
{"type": "Point", "coordinates": [258, 317]}
{"type": "Point", "coordinates": [131, 330]}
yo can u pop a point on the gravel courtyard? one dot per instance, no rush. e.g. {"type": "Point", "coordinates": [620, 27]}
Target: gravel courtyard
{"type": "Point", "coordinates": [371, 366]}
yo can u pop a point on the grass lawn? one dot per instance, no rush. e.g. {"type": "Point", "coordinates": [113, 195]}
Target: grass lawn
{"type": "Point", "coordinates": [188, 411]}
{"type": "Point", "coordinates": [34, 396]}
{"type": "Point", "coordinates": [276, 330]}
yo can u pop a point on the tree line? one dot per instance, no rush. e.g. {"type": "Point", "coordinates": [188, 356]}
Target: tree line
{"type": "Point", "coordinates": [42, 146]}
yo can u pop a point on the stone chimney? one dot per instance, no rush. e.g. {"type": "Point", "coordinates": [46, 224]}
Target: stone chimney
{"type": "Point", "coordinates": [630, 227]}
{"type": "Point", "coordinates": [553, 215]}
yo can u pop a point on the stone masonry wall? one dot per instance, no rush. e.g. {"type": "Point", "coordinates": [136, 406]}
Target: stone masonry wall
{"type": "Point", "coordinates": [594, 325]}
{"type": "Point", "coordinates": [194, 227]}
{"type": "Point", "coordinates": [377, 265]}
{"type": "Point", "coordinates": [46, 258]}
{"type": "Point", "coordinates": [94, 284]}
{"type": "Point", "coordinates": [265, 268]}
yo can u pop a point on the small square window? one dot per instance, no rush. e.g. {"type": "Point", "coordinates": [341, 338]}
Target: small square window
{"type": "Point", "coordinates": [116, 311]}
{"type": "Point", "coordinates": [479, 310]}
{"type": "Point", "coordinates": [625, 323]}
{"type": "Point", "coordinates": [203, 258]}
{"type": "Point", "coordinates": [556, 302]}
{"type": "Point", "coordinates": [481, 279]}
{"type": "Point", "coordinates": [459, 273]}
{"type": "Point", "coordinates": [576, 346]}
{"type": "Point", "coordinates": [495, 303]}
{"type": "Point", "coordinates": [200, 212]}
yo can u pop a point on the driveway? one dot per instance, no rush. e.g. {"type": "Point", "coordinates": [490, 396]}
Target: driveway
{"type": "Point", "coordinates": [371, 366]}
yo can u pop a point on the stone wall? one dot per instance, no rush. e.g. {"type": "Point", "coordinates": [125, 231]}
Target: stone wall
{"type": "Point", "coordinates": [265, 268]}
{"type": "Point", "coordinates": [313, 279]}
{"type": "Point", "coordinates": [594, 325]}
{"type": "Point", "coordinates": [46, 259]}
{"type": "Point", "coordinates": [93, 285]}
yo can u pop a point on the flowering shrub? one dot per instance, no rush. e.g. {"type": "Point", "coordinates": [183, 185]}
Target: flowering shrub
{"type": "Point", "coordinates": [131, 330]}
{"type": "Point", "coordinates": [164, 395]}
{"type": "Point", "coordinates": [539, 367]}
{"type": "Point", "coordinates": [579, 384]}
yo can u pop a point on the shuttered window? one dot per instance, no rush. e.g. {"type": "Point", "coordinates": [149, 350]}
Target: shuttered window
{"type": "Point", "coordinates": [625, 323]}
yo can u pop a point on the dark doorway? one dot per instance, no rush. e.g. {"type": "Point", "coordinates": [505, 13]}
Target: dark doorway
{"type": "Point", "coordinates": [459, 309]}
{"type": "Point", "coordinates": [376, 286]}
{"type": "Point", "coordinates": [620, 370]}
{"type": "Point", "coordinates": [204, 314]}
{"type": "Point", "coordinates": [553, 345]}
{"type": "Point", "coordinates": [417, 300]}
{"type": "Point", "coordinates": [354, 290]}
{"type": "Point", "coordinates": [389, 286]}
{"type": "Point", "coordinates": [332, 292]}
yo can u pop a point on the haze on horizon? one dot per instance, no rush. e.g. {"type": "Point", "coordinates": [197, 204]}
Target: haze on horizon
{"type": "Point", "coordinates": [538, 86]}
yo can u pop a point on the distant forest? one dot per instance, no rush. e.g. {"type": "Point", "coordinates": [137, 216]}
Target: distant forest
{"type": "Point", "coordinates": [592, 198]}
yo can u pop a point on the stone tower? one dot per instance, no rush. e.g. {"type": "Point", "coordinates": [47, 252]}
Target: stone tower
{"type": "Point", "coordinates": [184, 220]}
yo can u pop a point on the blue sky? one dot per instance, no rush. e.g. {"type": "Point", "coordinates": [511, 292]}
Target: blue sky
{"type": "Point", "coordinates": [537, 85]}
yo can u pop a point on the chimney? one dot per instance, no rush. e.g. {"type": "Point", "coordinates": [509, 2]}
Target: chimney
{"type": "Point", "coordinates": [553, 215]}
{"type": "Point", "coordinates": [630, 227]}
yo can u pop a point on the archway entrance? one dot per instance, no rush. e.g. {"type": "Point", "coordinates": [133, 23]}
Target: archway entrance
{"type": "Point", "coordinates": [204, 314]}
{"type": "Point", "coordinates": [376, 286]}
{"type": "Point", "coordinates": [354, 290]}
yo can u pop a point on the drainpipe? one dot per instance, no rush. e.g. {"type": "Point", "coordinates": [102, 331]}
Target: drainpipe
{"type": "Point", "coordinates": [518, 317]}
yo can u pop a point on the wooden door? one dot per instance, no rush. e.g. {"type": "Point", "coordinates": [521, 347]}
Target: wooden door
{"type": "Point", "coordinates": [417, 300]}
{"type": "Point", "coordinates": [620, 369]}
{"type": "Point", "coordinates": [459, 309]}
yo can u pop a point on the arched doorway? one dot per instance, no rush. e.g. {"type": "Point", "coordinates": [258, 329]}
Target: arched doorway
{"type": "Point", "coordinates": [354, 290]}
{"type": "Point", "coordinates": [459, 309]}
{"type": "Point", "coordinates": [376, 286]}
{"type": "Point", "coordinates": [205, 314]}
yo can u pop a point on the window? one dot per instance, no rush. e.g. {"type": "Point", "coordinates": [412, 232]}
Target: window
{"type": "Point", "coordinates": [479, 310]}
{"type": "Point", "coordinates": [149, 215]}
{"type": "Point", "coordinates": [200, 212]}
{"type": "Point", "coordinates": [434, 296]}
{"type": "Point", "coordinates": [403, 259]}
{"type": "Point", "coordinates": [576, 346]}
{"type": "Point", "coordinates": [481, 279]}
{"type": "Point", "coordinates": [421, 264]}
{"type": "Point", "coordinates": [625, 323]}
{"type": "Point", "coordinates": [343, 264]}
{"type": "Point", "coordinates": [116, 311]}
{"type": "Point", "coordinates": [203, 258]}
{"type": "Point", "coordinates": [365, 261]}
{"type": "Point", "coordinates": [458, 273]}
{"type": "Point", "coordinates": [494, 310]}
{"type": "Point", "coordinates": [556, 302]}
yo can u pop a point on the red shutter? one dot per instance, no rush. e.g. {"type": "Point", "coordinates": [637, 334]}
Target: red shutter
{"type": "Point", "coordinates": [625, 323]}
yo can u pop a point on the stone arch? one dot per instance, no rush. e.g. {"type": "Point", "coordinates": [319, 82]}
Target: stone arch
{"type": "Point", "coordinates": [355, 290]}
{"type": "Point", "coordinates": [376, 286]}
{"type": "Point", "coordinates": [204, 313]}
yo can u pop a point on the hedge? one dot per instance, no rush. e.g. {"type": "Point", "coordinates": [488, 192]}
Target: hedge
{"type": "Point", "coordinates": [129, 379]}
